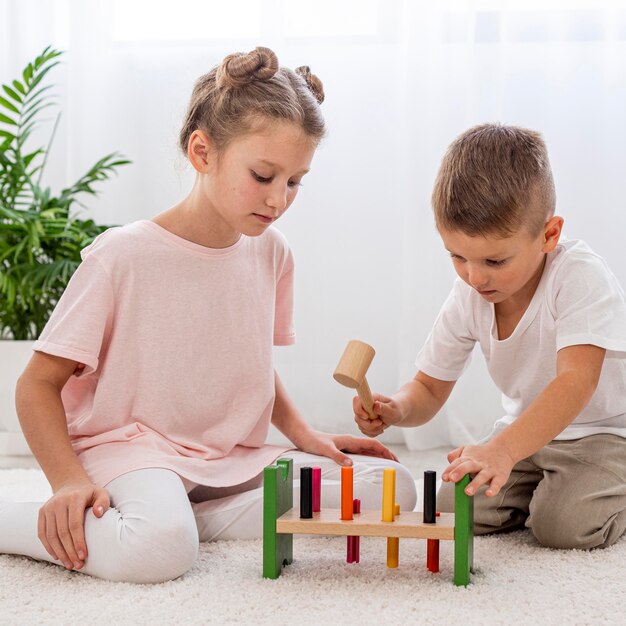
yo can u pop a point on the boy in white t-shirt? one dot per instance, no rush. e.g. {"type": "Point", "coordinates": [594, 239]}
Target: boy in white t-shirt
{"type": "Point", "coordinates": [550, 318]}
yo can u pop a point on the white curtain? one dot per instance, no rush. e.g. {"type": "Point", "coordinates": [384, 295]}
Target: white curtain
{"type": "Point", "coordinates": [402, 79]}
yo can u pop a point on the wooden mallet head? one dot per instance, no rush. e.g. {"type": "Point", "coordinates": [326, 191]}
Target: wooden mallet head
{"type": "Point", "coordinates": [351, 371]}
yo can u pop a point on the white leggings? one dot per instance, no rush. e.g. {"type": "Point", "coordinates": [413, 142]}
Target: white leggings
{"type": "Point", "coordinates": [151, 532]}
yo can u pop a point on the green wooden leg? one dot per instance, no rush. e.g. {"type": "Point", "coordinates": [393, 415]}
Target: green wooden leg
{"type": "Point", "coordinates": [277, 499]}
{"type": "Point", "coordinates": [463, 533]}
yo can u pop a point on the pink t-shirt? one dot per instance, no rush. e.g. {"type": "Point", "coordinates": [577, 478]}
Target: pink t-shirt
{"type": "Point", "coordinates": [177, 341]}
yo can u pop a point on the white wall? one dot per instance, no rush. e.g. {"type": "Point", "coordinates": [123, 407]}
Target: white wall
{"type": "Point", "coordinates": [369, 262]}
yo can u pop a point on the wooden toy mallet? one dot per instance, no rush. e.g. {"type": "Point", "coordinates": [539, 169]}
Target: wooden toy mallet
{"type": "Point", "coordinates": [351, 371]}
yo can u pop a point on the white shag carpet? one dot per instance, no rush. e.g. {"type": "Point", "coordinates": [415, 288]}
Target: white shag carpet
{"type": "Point", "coordinates": [516, 582]}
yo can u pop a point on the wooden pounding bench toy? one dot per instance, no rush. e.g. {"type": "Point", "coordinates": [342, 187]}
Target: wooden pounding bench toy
{"type": "Point", "coordinates": [281, 520]}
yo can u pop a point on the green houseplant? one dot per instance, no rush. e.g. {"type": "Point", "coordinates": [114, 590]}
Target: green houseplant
{"type": "Point", "coordinates": [41, 234]}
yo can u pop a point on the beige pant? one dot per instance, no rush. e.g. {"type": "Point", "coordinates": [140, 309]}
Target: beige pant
{"type": "Point", "coordinates": [571, 494]}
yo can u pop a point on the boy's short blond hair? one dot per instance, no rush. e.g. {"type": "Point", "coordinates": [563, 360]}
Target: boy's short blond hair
{"type": "Point", "coordinates": [495, 179]}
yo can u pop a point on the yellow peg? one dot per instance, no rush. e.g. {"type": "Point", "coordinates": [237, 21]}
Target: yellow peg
{"type": "Point", "coordinates": [389, 493]}
{"type": "Point", "coordinates": [393, 544]}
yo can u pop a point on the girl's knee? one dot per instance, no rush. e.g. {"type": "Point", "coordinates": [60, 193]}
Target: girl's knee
{"type": "Point", "coordinates": [406, 493]}
{"type": "Point", "coordinates": [149, 552]}
{"type": "Point", "coordinates": [176, 544]}
{"type": "Point", "coordinates": [368, 481]}
{"type": "Point", "coordinates": [167, 553]}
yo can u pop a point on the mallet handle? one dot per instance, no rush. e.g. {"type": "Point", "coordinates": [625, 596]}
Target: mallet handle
{"type": "Point", "coordinates": [365, 395]}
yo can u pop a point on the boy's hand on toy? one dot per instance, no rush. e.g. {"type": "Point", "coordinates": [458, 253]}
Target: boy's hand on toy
{"type": "Point", "coordinates": [61, 524]}
{"type": "Point", "coordinates": [387, 410]}
{"type": "Point", "coordinates": [490, 464]}
{"type": "Point", "coordinates": [336, 446]}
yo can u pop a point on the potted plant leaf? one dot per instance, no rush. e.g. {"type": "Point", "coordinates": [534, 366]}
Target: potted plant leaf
{"type": "Point", "coordinates": [41, 233]}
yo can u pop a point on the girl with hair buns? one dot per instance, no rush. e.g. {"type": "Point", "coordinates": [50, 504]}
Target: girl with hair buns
{"type": "Point", "coordinates": [149, 396]}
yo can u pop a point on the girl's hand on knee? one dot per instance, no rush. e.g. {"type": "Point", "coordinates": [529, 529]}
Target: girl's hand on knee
{"type": "Point", "coordinates": [335, 447]}
{"type": "Point", "coordinates": [490, 464]}
{"type": "Point", "coordinates": [61, 523]}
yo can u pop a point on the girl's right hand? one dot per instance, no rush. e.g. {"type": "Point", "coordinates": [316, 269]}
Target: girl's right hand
{"type": "Point", "coordinates": [387, 410]}
{"type": "Point", "coordinates": [61, 524]}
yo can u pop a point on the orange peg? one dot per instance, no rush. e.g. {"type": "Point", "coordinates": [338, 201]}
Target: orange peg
{"type": "Point", "coordinates": [347, 488]}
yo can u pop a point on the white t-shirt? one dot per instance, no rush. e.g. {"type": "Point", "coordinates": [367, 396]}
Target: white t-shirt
{"type": "Point", "coordinates": [578, 301]}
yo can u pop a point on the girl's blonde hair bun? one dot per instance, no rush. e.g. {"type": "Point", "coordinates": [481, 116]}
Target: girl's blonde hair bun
{"type": "Point", "coordinates": [248, 87]}
{"type": "Point", "coordinates": [242, 68]}
{"type": "Point", "coordinates": [312, 81]}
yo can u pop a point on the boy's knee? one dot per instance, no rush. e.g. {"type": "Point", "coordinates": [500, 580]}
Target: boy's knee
{"type": "Point", "coordinates": [561, 534]}
{"type": "Point", "coordinates": [445, 498]}
{"type": "Point", "coordinates": [565, 531]}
